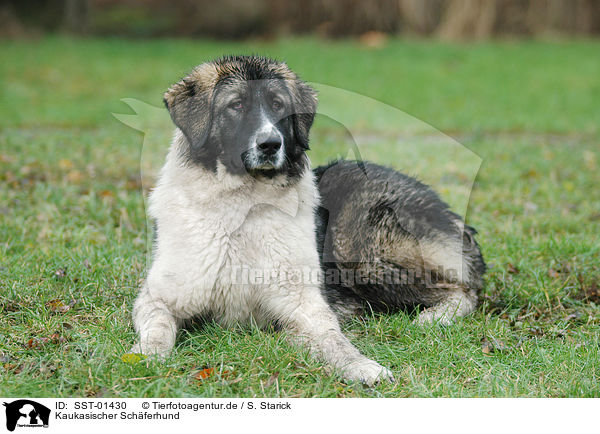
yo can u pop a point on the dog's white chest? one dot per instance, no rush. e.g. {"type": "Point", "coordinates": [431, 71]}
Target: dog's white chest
{"type": "Point", "coordinates": [224, 257]}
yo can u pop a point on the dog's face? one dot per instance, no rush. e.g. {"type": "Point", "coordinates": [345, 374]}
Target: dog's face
{"type": "Point", "coordinates": [247, 114]}
{"type": "Point", "coordinates": [252, 125]}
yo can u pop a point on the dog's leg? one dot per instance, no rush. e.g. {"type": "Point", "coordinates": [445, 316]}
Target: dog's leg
{"type": "Point", "coordinates": [454, 304]}
{"type": "Point", "coordinates": [155, 325]}
{"type": "Point", "coordinates": [314, 324]}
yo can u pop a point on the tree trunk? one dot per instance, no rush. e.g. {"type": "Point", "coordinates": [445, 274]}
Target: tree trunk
{"type": "Point", "coordinates": [76, 16]}
{"type": "Point", "coordinates": [472, 19]}
{"type": "Point", "coordinates": [421, 16]}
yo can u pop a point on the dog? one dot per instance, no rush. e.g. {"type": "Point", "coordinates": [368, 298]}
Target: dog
{"type": "Point", "coordinates": [246, 232]}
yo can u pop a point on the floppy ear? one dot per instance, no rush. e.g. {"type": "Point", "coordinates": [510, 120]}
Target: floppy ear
{"type": "Point", "coordinates": [189, 102]}
{"type": "Point", "coordinates": [305, 107]}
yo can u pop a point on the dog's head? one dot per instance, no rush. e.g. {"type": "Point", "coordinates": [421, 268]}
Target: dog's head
{"type": "Point", "coordinates": [250, 114]}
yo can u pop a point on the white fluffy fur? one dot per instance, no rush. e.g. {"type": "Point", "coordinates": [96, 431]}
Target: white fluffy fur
{"type": "Point", "coordinates": [209, 225]}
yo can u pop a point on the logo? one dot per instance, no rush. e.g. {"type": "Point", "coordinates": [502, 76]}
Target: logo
{"type": "Point", "coordinates": [26, 413]}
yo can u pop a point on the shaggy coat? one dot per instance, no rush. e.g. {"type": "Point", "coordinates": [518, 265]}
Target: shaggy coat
{"type": "Point", "coordinates": [247, 233]}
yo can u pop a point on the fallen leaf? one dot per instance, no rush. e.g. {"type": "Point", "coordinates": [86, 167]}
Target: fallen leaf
{"type": "Point", "coordinates": [553, 273]}
{"type": "Point", "coordinates": [493, 345]}
{"type": "Point", "coordinates": [512, 269]}
{"type": "Point", "coordinates": [207, 372]}
{"type": "Point", "coordinates": [37, 342]}
{"type": "Point", "coordinates": [272, 379]}
{"type": "Point", "coordinates": [106, 194]}
{"type": "Point", "coordinates": [203, 374]}
{"type": "Point", "coordinates": [92, 391]}
{"type": "Point", "coordinates": [132, 358]}
{"type": "Point", "coordinates": [486, 346]}
{"type": "Point", "coordinates": [57, 306]}
{"type": "Point", "coordinates": [15, 368]}
{"type": "Point", "coordinates": [57, 338]}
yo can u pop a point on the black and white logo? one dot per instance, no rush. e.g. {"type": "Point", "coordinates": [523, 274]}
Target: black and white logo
{"type": "Point", "coordinates": [26, 413]}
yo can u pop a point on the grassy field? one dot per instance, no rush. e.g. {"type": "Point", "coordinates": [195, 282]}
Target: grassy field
{"type": "Point", "coordinates": [73, 224]}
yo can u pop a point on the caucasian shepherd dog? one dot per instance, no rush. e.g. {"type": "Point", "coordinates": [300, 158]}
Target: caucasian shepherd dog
{"type": "Point", "coordinates": [246, 231]}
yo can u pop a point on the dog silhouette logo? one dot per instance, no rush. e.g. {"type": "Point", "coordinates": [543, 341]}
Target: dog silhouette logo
{"type": "Point", "coordinates": [26, 413]}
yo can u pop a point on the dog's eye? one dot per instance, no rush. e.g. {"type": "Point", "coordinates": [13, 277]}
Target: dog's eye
{"type": "Point", "coordinates": [277, 105]}
{"type": "Point", "coordinates": [237, 105]}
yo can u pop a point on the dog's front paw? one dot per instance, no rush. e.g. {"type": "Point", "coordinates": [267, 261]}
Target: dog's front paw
{"type": "Point", "coordinates": [367, 371]}
{"type": "Point", "coordinates": [434, 316]}
{"type": "Point", "coordinates": [155, 350]}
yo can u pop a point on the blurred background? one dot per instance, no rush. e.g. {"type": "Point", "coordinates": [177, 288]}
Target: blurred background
{"type": "Point", "coordinates": [233, 19]}
{"type": "Point", "coordinates": [496, 104]}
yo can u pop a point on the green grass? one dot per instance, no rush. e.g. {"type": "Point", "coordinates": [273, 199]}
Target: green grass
{"type": "Point", "coordinates": [73, 225]}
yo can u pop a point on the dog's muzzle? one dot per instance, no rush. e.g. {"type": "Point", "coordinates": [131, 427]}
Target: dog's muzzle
{"type": "Point", "coordinates": [266, 151]}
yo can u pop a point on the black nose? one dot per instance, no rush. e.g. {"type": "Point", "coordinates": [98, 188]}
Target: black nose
{"type": "Point", "coordinates": [270, 146]}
